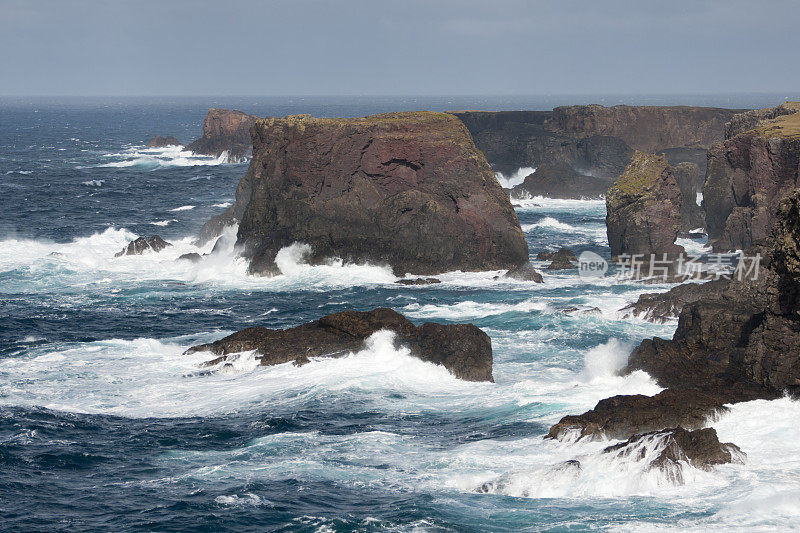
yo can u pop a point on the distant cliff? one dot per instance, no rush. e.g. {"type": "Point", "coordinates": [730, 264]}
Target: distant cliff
{"type": "Point", "coordinates": [225, 130]}
{"type": "Point", "coordinates": [594, 141]}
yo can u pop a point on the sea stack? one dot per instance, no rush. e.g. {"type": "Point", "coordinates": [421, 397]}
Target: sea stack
{"type": "Point", "coordinates": [644, 208]}
{"type": "Point", "coordinates": [409, 190]}
{"type": "Point", "coordinates": [225, 131]}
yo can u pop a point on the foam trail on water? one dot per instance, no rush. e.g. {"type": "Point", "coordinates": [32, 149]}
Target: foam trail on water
{"type": "Point", "coordinates": [169, 156]}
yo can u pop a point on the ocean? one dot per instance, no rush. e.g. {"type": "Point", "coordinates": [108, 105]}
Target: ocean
{"type": "Point", "coordinates": [105, 425]}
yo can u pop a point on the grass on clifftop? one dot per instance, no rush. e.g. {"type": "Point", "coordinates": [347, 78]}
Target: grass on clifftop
{"type": "Point", "coordinates": [640, 176]}
{"type": "Point", "coordinates": [784, 126]}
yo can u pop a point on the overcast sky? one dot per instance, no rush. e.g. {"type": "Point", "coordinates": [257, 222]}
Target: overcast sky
{"type": "Point", "coordinates": [461, 47]}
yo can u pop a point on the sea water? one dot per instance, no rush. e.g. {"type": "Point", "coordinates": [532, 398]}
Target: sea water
{"type": "Point", "coordinates": [106, 425]}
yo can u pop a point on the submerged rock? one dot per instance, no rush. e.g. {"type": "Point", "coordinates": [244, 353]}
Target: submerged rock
{"type": "Point", "coordinates": [670, 449]}
{"type": "Point", "coordinates": [525, 272]}
{"type": "Point", "coordinates": [160, 141]}
{"type": "Point", "coordinates": [225, 130]}
{"type": "Point", "coordinates": [418, 281]}
{"type": "Point", "coordinates": [193, 257]}
{"type": "Point", "coordinates": [563, 259]}
{"type": "Point", "coordinates": [463, 349]}
{"type": "Point", "coordinates": [644, 209]}
{"type": "Point", "coordinates": [142, 244]}
{"type": "Point", "coordinates": [407, 189]}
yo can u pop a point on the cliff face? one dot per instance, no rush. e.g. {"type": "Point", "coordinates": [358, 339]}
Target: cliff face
{"type": "Point", "coordinates": [748, 174]}
{"type": "Point", "coordinates": [594, 141]}
{"type": "Point", "coordinates": [225, 130]}
{"type": "Point", "coordinates": [646, 128]}
{"type": "Point", "coordinates": [407, 189]}
{"type": "Point", "coordinates": [644, 208]}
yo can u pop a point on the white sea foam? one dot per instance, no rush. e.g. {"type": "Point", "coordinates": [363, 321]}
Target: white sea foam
{"type": "Point", "coordinates": [169, 156]}
{"type": "Point", "coordinates": [163, 223]}
{"type": "Point", "coordinates": [87, 260]}
{"type": "Point", "coordinates": [94, 183]}
{"type": "Point", "coordinates": [514, 179]}
{"type": "Point", "coordinates": [183, 208]}
{"type": "Point", "coordinates": [223, 204]}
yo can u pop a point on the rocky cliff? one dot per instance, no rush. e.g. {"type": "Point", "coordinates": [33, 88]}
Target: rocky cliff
{"type": "Point", "coordinates": [225, 130]}
{"type": "Point", "coordinates": [749, 173]}
{"type": "Point", "coordinates": [644, 208]}
{"type": "Point", "coordinates": [645, 128]}
{"type": "Point", "coordinates": [594, 141]}
{"type": "Point", "coordinates": [405, 189]}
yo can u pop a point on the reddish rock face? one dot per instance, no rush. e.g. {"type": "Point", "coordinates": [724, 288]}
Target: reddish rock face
{"type": "Point", "coordinates": [748, 175]}
{"type": "Point", "coordinates": [225, 130]}
{"type": "Point", "coordinates": [405, 189]}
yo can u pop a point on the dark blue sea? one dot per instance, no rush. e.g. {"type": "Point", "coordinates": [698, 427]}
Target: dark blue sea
{"type": "Point", "coordinates": [106, 426]}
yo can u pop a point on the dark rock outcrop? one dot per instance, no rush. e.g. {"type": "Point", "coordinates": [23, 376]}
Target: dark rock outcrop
{"type": "Point", "coordinates": [562, 259]}
{"type": "Point", "coordinates": [142, 244]}
{"type": "Point", "coordinates": [525, 272]}
{"type": "Point", "coordinates": [225, 130]}
{"type": "Point", "coordinates": [418, 281]}
{"type": "Point", "coordinates": [192, 257]}
{"type": "Point", "coordinates": [661, 307]}
{"type": "Point", "coordinates": [743, 342]}
{"type": "Point", "coordinates": [560, 181]}
{"type": "Point", "coordinates": [160, 141]}
{"type": "Point", "coordinates": [644, 209]}
{"type": "Point", "coordinates": [749, 173]}
{"type": "Point", "coordinates": [407, 189]}
{"type": "Point", "coordinates": [463, 349]}
{"type": "Point", "coordinates": [621, 417]}
{"type": "Point", "coordinates": [676, 447]}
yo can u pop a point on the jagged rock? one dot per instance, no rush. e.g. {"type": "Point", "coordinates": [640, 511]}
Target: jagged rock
{"type": "Point", "coordinates": [690, 182]}
{"type": "Point", "coordinates": [644, 209]}
{"type": "Point", "coordinates": [743, 342]}
{"type": "Point", "coordinates": [747, 176]}
{"type": "Point", "coordinates": [661, 307]}
{"type": "Point", "coordinates": [563, 259]}
{"type": "Point", "coordinates": [676, 447]}
{"type": "Point", "coordinates": [142, 244]}
{"type": "Point", "coordinates": [560, 181]}
{"type": "Point", "coordinates": [418, 281]}
{"type": "Point", "coordinates": [225, 130]}
{"type": "Point", "coordinates": [621, 417]}
{"type": "Point", "coordinates": [463, 349]}
{"type": "Point", "coordinates": [160, 141]}
{"type": "Point", "coordinates": [525, 272]}
{"type": "Point", "coordinates": [193, 257]}
{"type": "Point", "coordinates": [407, 189]}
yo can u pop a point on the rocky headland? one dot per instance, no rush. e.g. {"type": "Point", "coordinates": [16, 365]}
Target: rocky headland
{"type": "Point", "coordinates": [749, 173]}
{"type": "Point", "coordinates": [464, 349]}
{"type": "Point", "coordinates": [409, 190]}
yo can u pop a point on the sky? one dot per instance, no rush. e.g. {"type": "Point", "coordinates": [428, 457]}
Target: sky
{"type": "Point", "coordinates": [402, 47]}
